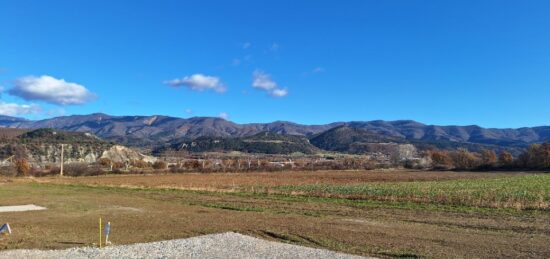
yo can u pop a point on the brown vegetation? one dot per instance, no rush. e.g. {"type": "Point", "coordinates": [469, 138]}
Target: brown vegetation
{"type": "Point", "coordinates": [537, 157]}
{"type": "Point", "coordinates": [440, 159]}
{"type": "Point", "coordinates": [22, 167]}
{"type": "Point", "coordinates": [505, 159]}
{"type": "Point", "coordinates": [232, 181]}
{"type": "Point", "coordinates": [82, 169]}
{"type": "Point", "coordinates": [488, 158]}
{"type": "Point", "coordinates": [160, 165]}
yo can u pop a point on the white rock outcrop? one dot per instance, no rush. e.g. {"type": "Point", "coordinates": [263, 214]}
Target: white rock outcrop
{"type": "Point", "coordinates": [123, 154]}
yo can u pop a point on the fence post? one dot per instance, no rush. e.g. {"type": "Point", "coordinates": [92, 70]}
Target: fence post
{"type": "Point", "coordinates": [100, 232]}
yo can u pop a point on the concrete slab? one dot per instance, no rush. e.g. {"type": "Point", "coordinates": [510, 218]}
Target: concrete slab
{"type": "Point", "coordinates": [18, 208]}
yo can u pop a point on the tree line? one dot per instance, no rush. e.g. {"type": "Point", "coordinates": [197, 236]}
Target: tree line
{"type": "Point", "coordinates": [535, 157]}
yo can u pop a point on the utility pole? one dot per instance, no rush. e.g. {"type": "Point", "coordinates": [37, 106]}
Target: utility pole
{"type": "Point", "coordinates": [61, 165]}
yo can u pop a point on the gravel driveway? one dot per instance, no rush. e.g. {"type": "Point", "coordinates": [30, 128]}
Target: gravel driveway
{"type": "Point", "coordinates": [225, 245]}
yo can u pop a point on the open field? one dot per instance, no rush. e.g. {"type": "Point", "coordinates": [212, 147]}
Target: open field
{"type": "Point", "coordinates": [384, 214]}
{"type": "Point", "coordinates": [228, 181]}
{"type": "Point", "coordinates": [522, 192]}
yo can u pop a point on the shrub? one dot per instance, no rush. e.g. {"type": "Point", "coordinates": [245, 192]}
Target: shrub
{"type": "Point", "coordinates": [463, 159]}
{"type": "Point", "coordinates": [488, 158]}
{"type": "Point", "coordinates": [74, 169]}
{"type": "Point", "coordinates": [505, 159]}
{"type": "Point", "coordinates": [106, 162]}
{"type": "Point", "coordinates": [82, 169]}
{"type": "Point", "coordinates": [440, 160]}
{"type": "Point", "coordinates": [140, 164]}
{"type": "Point", "coordinates": [192, 164]}
{"type": "Point", "coordinates": [22, 166]}
{"type": "Point", "coordinates": [118, 165]}
{"type": "Point", "coordinates": [160, 165]}
{"type": "Point", "coordinates": [8, 171]}
{"type": "Point", "coordinates": [368, 165]}
{"type": "Point", "coordinates": [537, 156]}
{"type": "Point", "coordinates": [36, 172]}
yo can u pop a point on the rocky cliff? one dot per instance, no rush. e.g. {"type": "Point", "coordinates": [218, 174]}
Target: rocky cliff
{"type": "Point", "coordinates": [43, 146]}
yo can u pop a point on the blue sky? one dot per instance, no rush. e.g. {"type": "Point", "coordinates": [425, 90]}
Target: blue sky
{"type": "Point", "coordinates": [437, 62]}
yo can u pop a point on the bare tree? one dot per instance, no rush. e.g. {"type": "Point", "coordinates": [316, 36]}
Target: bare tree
{"type": "Point", "coordinates": [488, 158]}
{"type": "Point", "coordinates": [440, 159]}
{"type": "Point", "coordinates": [463, 159]}
{"type": "Point", "coordinates": [22, 166]}
{"type": "Point", "coordinates": [505, 159]}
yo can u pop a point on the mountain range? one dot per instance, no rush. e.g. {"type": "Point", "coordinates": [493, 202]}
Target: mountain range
{"type": "Point", "coordinates": [263, 143]}
{"type": "Point", "coordinates": [151, 131]}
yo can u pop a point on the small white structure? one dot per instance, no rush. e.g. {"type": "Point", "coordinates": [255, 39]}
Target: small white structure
{"type": "Point", "coordinates": [19, 208]}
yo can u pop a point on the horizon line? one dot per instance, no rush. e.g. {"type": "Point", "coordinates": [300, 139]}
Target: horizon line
{"type": "Point", "coordinates": [284, 121]}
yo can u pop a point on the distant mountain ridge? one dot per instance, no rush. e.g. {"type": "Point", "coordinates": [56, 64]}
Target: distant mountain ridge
{"type": "Point", "coordinates": [263, 142]}
{"type": "Point", "coordinates": [157, 129]}
{"type": "Point", "coordinates": [346, 139]}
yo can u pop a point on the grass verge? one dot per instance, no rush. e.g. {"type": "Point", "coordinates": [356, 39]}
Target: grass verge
{"type": "Point", "coordinates": [520, 192]}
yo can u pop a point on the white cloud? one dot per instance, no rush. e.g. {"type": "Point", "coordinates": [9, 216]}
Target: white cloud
{"type": "Point", "coordinates": [247, 45]}
{"type": "Point", "coordinates": [14, 109]}
{"type": "Point", "coordinates": [52, 90]}
{"type": "Point", "coordinates": [199, 82]}
{"type": "Point", "coordinates": [223, 115]}
{"type": "Point", "coordinates": [189, 111]}
{"type": "Point", "coordinates": [279, 92]}
{"type": "Point", "coordinates": [263, 81]}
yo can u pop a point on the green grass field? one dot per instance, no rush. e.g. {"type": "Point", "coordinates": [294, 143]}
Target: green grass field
{"type": "Point", "coordinates": [521, 192]}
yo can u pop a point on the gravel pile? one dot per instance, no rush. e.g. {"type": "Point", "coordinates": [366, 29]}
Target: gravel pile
{"type": "Point", "coordinates": [225, 245]}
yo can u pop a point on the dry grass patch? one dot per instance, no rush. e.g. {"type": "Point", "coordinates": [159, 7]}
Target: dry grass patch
{"type": "Point", "coordinates": [230, 181]}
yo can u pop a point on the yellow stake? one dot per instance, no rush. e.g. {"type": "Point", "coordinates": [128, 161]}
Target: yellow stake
{"type": "Point", "coordinates": [99, 232]}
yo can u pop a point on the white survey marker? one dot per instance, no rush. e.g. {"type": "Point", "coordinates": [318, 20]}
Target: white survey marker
{"type": "Point", "coordinates": [18, 208]}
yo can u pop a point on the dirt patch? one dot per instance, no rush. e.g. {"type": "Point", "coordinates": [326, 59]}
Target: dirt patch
{"type": "Point", "coordinates": [124, 208]}
{"type": "Point", "coordinates": [364, 222]}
